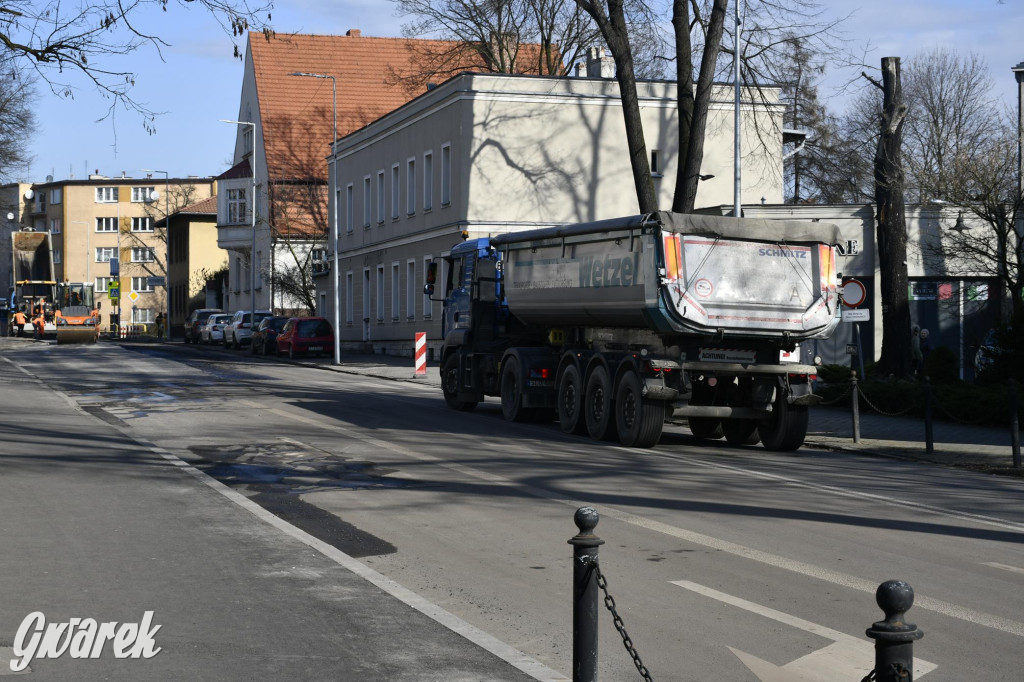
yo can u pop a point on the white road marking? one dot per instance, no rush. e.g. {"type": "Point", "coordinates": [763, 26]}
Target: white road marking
{"type": "Point", "coordinates": [1012, 569]}
{"type": "Point", "coordinates": [847, 658]}
{"type": "Point", "coordinates": [819, 573]}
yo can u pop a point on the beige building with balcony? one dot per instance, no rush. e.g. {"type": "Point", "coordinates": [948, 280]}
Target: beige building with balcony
{"type": "Point", "coordinates": [95, 220]}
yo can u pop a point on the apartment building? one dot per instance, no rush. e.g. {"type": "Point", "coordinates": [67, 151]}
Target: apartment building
{"type": "Point", "coordinates": [100, 219]}
{"type": "Point", "coordinates": [197, 264]}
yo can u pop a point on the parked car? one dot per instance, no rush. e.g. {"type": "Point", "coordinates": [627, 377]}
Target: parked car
{"type": "Point", "coordinates": [239, 331]}
{"type": "Point", "coordinates": [196, 320]}
{"type": "Point", "coordinates": [306, 336]}
{"type": "Point", "coordinates": [264, 339]}
{"type": "Point", "coordinates": [213, 330]}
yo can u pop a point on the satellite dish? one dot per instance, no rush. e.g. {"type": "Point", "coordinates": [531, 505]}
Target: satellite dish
{"type": "Point", "coordinates": [154, 194]}
{"type": "Point", "coordinates": [29, 195]}
{"type": "Point", "coordinates": [10, 217]}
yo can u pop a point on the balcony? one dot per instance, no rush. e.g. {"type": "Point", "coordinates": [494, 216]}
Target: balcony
{"type": "Point", "coordinates": [234, 237]}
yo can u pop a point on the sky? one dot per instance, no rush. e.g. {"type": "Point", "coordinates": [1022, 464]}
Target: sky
{"type": "Point", "coordinates": [199, 80]}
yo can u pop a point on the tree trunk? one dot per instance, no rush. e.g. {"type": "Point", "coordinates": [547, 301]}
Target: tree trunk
{"type": "Point", "coordinates": [616, 35]}
{"type": "Point", "coordinates": [688, 173]}
{"type": "Point", "coordinates": [892, 229]}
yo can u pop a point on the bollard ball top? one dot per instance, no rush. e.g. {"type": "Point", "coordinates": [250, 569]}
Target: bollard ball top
{"type": "Point", "coordinates": [894, 597]}
{"type": "Point", "coordinates": [586, 519]}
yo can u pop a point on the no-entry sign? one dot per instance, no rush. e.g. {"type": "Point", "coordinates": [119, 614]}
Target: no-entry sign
{"type": "Point", "coordinates": [854, 293]}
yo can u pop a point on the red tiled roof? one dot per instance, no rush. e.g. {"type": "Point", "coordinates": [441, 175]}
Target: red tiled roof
{"type": "Point", "coordinates": [239, 170]}
{"type": "Point", "coordinates": [297, 112]}
{"type": "Point", "coordinates": [204, 207]}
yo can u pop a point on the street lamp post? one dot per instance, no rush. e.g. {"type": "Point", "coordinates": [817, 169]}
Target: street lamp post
{"type": "Point", "coordinates": [334, 213]}
{"type": "Point", "coordinates": [252, 248]}
{"type": "Point", "coordinates": [167, 251]}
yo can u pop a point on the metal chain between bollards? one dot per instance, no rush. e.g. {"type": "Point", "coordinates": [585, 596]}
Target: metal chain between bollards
{"type": "Point", "coordinates": [900, 673]}
{"type": "Point", "coordinates": [627, 642]}
{"type": "Point", "coordinates": [826, 403]}
{"type": "Point", "coordinates": [880, 411]}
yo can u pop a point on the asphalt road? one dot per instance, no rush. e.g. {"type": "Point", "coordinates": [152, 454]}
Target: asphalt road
{"type": "Point", "coordinates": [725, 563]}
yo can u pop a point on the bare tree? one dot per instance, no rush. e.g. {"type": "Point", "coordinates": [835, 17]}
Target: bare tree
{"type": "Point", "coordinates": [16, 118]}
{"type": "Point", "coordinates": [891, 233]}
{"type": "Point", "coordinates": [57, 38]}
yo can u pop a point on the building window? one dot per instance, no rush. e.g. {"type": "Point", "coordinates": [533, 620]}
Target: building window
{"type": "Point", "coordinates": [656, 163]}
{"type": "Point", "coordinates": [106, 195]}
{"type": "Point", "coordinates": [396, 292]}
{"type": "Point", "coordinates": [337, 208]}
{"type": "Point", "coordinates": [349, 209]}
{"type": "Point", "coordinates": [56, 196]}
{"type": "Point", "coordinates": [144, 224]}
{"type": "Point", "coordinates": [446, 174]}
{"type": "Point", "coordinates": [380, 293]}
{"type": "Point", "coordinates": [318, 255]}
{"type": "Point", "coordinates": [428, 181]}
{"type": "Point", "coordinates": [410, 290]}
{"type": "Point", "coordinates": [55, 225]}
{"type": "Point", "coordinates": [56, 256]}
{"type": "Point", "coordinates": [247, 144]}
{"type": "Point", "coordinates": [102, 283]}
{"type": "Point", "coordinates": [106, 224]}
{"type": "Point", "coordinates": [410, 189]}
{"type": "Point", "coordinates": [380, 197]}
{"type": "Point", "coordinates": [349, 298]}
{"type": "Point", "coordinates": [427, 303]}
{"type": "Point", "coordinates": [142, 315]}
{"type": "Point", "coordinates": [396, 193]}
{"type": "Point", "coordinates": [143, 254]}
{"type": "Point", "coordinates": [367, 202]}
{"type": "Point", "coordinates": [105, 253]}
{"type": "Point", "coordinates": [141, 285]}
{"type": "Point", "coordinates": [366, 294]}
{"type": "Point", "coordinates": [322, 312]}
{"type": "Point", "coordinates": [238, 207]}
{"type": "Point", "coordinates": [142, 194]}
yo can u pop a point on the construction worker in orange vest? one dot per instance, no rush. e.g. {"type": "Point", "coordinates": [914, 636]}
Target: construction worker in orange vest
{"type": "Point", "coordinates": [19, 322]}
{"type": "Point", "coordinates": [39, 322]}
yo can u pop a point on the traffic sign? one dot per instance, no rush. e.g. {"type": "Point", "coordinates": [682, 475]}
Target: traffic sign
{"type": "Point", "coordinates": [133, 296]}
{"type": "Point", "coordinates": [854, 293]}
{"type": "Point", "coordinates": [156, 281]}
{"type": "Point", "coordinates": [114, 290]}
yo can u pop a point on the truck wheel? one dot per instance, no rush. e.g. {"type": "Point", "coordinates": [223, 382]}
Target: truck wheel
{"type": "Point", "coordinates": [597, 405]}
{"type": "Point", "coordinates": [512, 392]}
{"type": "Point", "coordinates": [639, 421]}
{"type": "Point", "coordinates": [785, 429]}
{"type": "Point", "coordinates": [707, 428]}
{"type": "Point", "coordinates": [570, 401]}
{"type": "Point", "coordinates": [741, 431]}
{"type": "Point", "coordinates": [450, 385]}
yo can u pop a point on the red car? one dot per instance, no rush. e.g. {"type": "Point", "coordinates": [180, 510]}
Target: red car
{"type": "Point", "coordinates": [306, 336]}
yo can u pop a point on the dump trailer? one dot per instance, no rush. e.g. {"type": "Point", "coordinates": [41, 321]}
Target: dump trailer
{"type": "Point", "coordinates": [77, 316]}
{"type": "Point", "coordinates": [613, 326]}
{"type": "Point", "coordinates": [34, 284]}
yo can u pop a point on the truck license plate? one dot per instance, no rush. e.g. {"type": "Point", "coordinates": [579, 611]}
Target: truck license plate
{"type": "Point", "coordinates": [316, 348]}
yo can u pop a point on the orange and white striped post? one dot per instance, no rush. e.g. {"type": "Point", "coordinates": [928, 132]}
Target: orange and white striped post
{"type": "Point", "coordinates": [421, 353]}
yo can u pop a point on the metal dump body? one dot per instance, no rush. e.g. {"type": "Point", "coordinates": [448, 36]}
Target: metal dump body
{"type": "Point", "coordinates": [676, 273]}
{"type": "Point", "coordinates": [33, 260]}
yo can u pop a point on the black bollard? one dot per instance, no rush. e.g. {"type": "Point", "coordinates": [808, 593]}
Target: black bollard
{"type": "Point", "coordinates": [584, 596]}
{"type": "Point", "coordinates": [894, 637]}
{"type": "Point", "coordinates": [1014, 425]}
{"type": "Point", "coordinates": [929, 440]}
{"type": "Point", "coordinates": [856, 407]}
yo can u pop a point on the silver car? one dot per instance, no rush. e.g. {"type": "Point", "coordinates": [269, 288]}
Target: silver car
{"type": "Point", "coordinates": [239, 330]}
{"type": "Point", "coordinates": [213, 330]}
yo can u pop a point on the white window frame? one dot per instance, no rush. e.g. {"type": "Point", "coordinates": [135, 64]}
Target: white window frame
{"type": "Point", "coordinates": [410, 289]}
{"type": "Point", "coordinates": [367, 202]}
{"type": "Point", "coordinates": [396, 192]}
{"type": "Point", "coordinates": [396, 291]}
{"type": "Point", "coordinates": [142, 220]}
{"type": "Point", "coordinates": [349, 208]}
{"type": "Point", "coordinates": [367, 301]}
{"type": "Point", "coordinates": [337, 206]}
{"type": "Point", "coordinates": [381, 197]}
{"type": "Point", "coordinates": [107, 224]}
{"type": "Point", "coordinates": [142, 315]}
{"type": "Point", "coordinates": [102, 283]}
{"type": "Point", "coordinates": [106, 195]}
{"type": "Point", "coordinates": [446, 174]}
{"type": "Point", "coordinates": [142, 194]}
{"type": "Point", "coordinates": [56, 196]}
{"type": "Point", "coordinates": [656, 163]}
{"type": "Point", "coordinates": [349, 298]}
{"type": "Point", "coordinates": [428, 305]}
{"type": "Point", "coordinates": [428, 181]}
{"type": "Point", "coordinates": [141, 285]}
{"type": "Point", "coordinates": [410, 190]}
{"type": "Point", "coordinates": [56, 256]}
{"type": "Point", "coordinates": [238, 205]}
{"type": "Point", "coordinates": [140, 253]}
{"type": "Point", "coordinates": [380, 292]}
{"type": "Point", "coordinates": [104, 254]}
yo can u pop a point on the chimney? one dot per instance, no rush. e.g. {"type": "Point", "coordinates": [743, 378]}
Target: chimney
{"type": "Point", "coordinates": [599, 65]}
{"type": "Point", "coordinates": [353, 33]}
{"type": "Point", "coordinates": [580, 70]}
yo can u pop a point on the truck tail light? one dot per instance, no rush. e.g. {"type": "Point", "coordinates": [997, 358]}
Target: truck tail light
{"type": "Point", "coordinates": [827, 265]}
{"type": "Point", "coordinates": [540, 373]}
{"type": "Point", "coordinates": [673, 258]}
